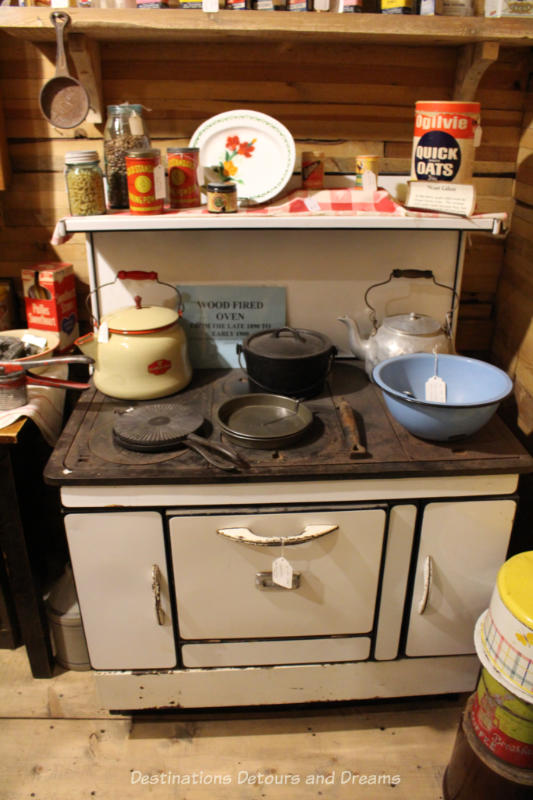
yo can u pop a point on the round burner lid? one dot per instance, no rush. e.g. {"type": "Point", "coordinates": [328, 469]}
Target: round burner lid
{"type": "Point", "coordinates": [156, 426]}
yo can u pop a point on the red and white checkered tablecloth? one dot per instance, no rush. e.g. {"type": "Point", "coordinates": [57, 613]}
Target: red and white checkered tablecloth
{"type": "Point", "coordinates": [305, 202]}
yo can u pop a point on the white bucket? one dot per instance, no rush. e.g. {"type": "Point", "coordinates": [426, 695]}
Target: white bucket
{"type": "Point", "coordinates": [446, 133]}
{"type": "Point", "coordinates": [63, 611]}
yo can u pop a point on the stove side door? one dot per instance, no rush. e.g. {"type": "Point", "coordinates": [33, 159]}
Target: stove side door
{"type": "Point", "coordinates": [119, 565]}
{"type": "Point", "coordinates": [462, 546]}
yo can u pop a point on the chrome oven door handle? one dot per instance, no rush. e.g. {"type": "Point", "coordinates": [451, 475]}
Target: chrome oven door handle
{"type": "Point", "coordinates": [245, 535]}
{"type": "Point", "coordinates": [156, 591]}
{"type": "Point", "coordinates": [428, 575]}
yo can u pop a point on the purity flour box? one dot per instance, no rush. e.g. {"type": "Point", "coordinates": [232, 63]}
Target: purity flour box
{"type": "Point", "coordinates": [50, 300]}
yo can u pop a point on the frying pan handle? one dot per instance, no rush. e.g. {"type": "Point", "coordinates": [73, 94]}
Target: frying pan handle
{"type": "Point", "coordinates": [245, 535]}
{"type": "Point", "coordinates": [60, 20]}
{"type": "Point", "coordinates": [203, 446]}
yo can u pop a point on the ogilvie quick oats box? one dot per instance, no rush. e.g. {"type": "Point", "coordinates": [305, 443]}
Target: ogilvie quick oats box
{"type": "Point", "coordinates": [50, 299]}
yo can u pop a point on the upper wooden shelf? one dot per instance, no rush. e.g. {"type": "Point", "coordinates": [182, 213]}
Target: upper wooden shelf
{"type": "Point", "coordinates": [146, 25]}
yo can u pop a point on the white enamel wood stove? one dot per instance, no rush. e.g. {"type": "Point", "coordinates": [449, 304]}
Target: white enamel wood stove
{"type": "Point", "coordinates": [172, 557]}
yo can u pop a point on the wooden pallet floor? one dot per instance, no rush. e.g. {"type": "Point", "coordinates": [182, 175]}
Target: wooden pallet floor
{"type": "Point", "coordinates": [57, 744]}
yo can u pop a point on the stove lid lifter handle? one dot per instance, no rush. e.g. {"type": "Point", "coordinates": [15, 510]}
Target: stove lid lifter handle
{"type": "Point", "coordinates": [247, 536]}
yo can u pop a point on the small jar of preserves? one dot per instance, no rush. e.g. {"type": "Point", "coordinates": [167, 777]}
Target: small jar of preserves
{"type": "Point", "coordinates": [222, 198]}
{"type": "Point", "coordinates": [183, 188]}
{"type": "Point", "coordinates": [146, 181]}
{"type": "Point", "coordinates": [125, 130]}
{"type": "Point", "coordinates": [85, 183]}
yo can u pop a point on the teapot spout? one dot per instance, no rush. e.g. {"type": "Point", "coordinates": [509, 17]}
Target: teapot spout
{"type": "Point", "coordinates": [358, 345]}
{"type": "Point", "coordinates": [87, 344]}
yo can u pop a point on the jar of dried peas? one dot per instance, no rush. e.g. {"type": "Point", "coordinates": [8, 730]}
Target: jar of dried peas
{"type": "Point", "coordinates": [85, 183]}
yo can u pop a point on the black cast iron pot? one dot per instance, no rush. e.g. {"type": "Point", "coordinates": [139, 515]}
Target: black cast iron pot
{"type": "Point", "coordinates": [288, 361]}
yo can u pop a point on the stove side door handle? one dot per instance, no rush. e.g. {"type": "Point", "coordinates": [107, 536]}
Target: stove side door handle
{"type": "Point", "coordinates": [247, 536]}
{"type": "Point", "coordinates": [428, 575]}
{"type": "Point", "coordinates": [156, 591]}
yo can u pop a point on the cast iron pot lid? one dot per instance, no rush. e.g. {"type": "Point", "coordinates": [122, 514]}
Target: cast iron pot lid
{"type": "Point", "coordinates": [288, 343]}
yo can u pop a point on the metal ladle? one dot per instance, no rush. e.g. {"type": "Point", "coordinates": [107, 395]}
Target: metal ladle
{"type": "Point", "coordinates": [63, 100]}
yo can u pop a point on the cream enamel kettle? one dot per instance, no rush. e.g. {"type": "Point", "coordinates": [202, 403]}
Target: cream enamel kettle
{"type": "Point", "coordinates": [140, 352]}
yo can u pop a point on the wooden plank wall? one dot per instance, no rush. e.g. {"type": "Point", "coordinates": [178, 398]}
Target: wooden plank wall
{"type": "Point", "coordinates": [513, 340]}
{"type": "Point", "coordinates": [343, 99]}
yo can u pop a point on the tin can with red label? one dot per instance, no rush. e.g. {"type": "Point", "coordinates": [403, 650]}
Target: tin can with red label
{"type": "Point", "coordinates": [184, 191]}
{"type": "Point", "coordinates": [312, 170]}
{"type": "Point", "coordinates": [146, 181]}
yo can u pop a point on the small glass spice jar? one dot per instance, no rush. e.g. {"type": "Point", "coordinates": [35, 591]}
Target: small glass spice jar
{"type": "Point", "coordinates": [85, 183]}
{"type": "Point", "coordinates": [222, 198]}
{"type": "Point", "coordinates": [146, 181]}
{"type": "Point", "coordinates": [125, 130]}
{"type": "Point", "coordinates": [183, 188]}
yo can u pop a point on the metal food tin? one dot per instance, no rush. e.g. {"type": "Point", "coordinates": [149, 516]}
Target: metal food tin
{"type": "Point", "coordinates": [146, 181]}
{"type": "Point", "coordinates": [312, 170]}
{"type": "Point", "coordinates": [184, 191]}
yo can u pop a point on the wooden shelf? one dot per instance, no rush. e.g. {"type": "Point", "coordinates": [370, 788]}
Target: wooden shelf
{"type": "Point", "coordinates": [246, 221]}
{"type": "Point", "coordinates": [109, 25]}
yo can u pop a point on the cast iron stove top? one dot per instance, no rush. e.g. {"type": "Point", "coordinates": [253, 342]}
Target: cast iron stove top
{"type": "Point", "coordinates": [87, 454]}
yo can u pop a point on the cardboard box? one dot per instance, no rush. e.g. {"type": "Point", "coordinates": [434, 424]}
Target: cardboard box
{"type": "Point", "coordinates": [50, 300]}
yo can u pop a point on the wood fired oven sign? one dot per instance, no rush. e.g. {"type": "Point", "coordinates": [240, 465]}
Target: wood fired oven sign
{"type": "Point", "coordinates": [217, 318]}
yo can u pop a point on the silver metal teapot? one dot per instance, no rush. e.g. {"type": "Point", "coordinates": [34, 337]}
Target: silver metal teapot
{"type": "Point", "coordinates": [402, 333]}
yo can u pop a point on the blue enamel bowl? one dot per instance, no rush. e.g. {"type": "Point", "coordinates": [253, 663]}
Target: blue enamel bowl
{"type": "Point", "coordinates": [474, 390]}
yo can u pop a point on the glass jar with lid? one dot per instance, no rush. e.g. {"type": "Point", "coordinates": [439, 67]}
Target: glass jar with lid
{"type": "Point", "coordinates": [125, 130]}
{"type": "Point", "coordinates": [85, 183]}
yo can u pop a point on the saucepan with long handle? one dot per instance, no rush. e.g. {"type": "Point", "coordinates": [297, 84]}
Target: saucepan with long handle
{"type": "Point", "coordinates": [15, 376]}
{"type": "Point", "coordinates": [63, 100]}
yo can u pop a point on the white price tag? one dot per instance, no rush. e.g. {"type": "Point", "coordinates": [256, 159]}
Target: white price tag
{"type": "Point", "coordinates": [38, 341]}
{"type": "Point", "coordinates": [282, 572]}
{"type": "Point", "coordinates": [136, 124]}
{"type": "Point", "coordinates": [209, 6]}
{"type": "Point", "coordinates": [369, 180]}
{"type": "Point", "coordinates": [435, 388]}
{"type": "Point", "coordinates": [159, 181]}
{"type": "Point", "coordinates": [103, 332]}
{"type": "Point", "coordinates": [312, 204]}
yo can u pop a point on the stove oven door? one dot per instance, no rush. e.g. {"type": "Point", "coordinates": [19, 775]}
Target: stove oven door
{"type": "Point", "coordinates": [226, 590]}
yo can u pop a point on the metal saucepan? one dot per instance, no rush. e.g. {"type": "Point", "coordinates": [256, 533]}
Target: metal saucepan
{"type": "Point", "coordinates": [263, 421]}
{"type": "Point", "coordinates": [15, 377]}
{"type": "Point", "coordinates": [156, 427]}
{"type": "Point", "coordinates": [63, 100]}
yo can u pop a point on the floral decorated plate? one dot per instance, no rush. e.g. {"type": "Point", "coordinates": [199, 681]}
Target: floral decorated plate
{"type": "Point", "coordinates": [251, 149]}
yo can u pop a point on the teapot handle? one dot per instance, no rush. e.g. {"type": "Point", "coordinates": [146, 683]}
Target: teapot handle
{"type": "Point", "coordinates": [410, 273]}
{"type": "Point", "coordinates": [135, 275]}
